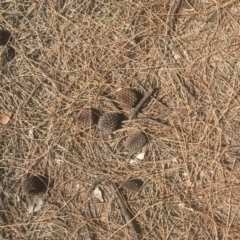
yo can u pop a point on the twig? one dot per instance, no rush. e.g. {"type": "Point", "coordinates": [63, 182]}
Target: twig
{"type": "Point", "coordinates": [170, 25]}
{"type": "Point", "coordinates": [175, 9]}
{"type": "Point", "coordinates": [125, 212]}
{"type": "Point", "coordinates": [140, 104]}
{"type": "Point", "coordinates": [113, 105]}
{"type": "Point", "coordinates": [165, 108]}
{"type": "Point", "coordinates": [163, 125]}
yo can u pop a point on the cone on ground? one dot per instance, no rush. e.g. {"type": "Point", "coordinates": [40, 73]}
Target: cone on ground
{"type": "Point", "coordinates": [86, 118]}
{"type": "Point", "coordinates": [110, 122]}
{"type": "Point", "coordinates": [135, 142]}
{"type": "Point", "coordinates": [132, 185]}
{"type": "Point", "coordinates": [127, 97]}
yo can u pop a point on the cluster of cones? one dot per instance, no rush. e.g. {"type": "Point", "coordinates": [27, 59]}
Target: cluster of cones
{"type": "Point", "coordinates": [107, 123]}
{"type": "Point", "coordinates": [110, 122]}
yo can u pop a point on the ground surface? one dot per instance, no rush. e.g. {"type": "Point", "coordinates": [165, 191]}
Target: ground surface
{"type": "Point", "coordinates": [72, 55]}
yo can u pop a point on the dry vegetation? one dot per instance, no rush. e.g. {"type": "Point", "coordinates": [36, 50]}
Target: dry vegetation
{"type": "Point", "coordinates": [74, 54]}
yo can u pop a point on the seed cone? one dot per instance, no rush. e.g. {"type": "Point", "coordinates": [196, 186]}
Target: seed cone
{"type": "Point", "coordinates": [110, 122]}
{"type": "Point", "coordinates": [135, 142]}
{"type": "Point", "coordinates": [127, 97]}
{"type": "Point", "coordinates": [34, 185]}
{"type": "Point", "coordinates": [86, 118]}
{"type": "Point", "coordinates": [132, 185]}
{"type": "Point", "coordinates": [4, 37]}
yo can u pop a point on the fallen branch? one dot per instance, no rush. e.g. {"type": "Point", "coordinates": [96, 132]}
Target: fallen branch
{"type": "Point", "coordinates": [113, 105]}
{"type": "Point", "coordinates": [125, 212]}
{"type": "Point", "coordinates": [174, 10]}
{"type": "Point", "coordinates": [165, 108]}
{"type": "Point", "coordinates": [140, 104]}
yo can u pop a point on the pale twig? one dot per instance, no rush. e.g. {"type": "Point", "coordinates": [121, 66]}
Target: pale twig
{"type": "Point", "coordinates": [125, 212]}
{"type": "Point", "coordinates": [174, 10]}
{"type": "Point", "coordinates": [150, 120]}
{"type": "Point", "coordinates": [140, 104]}
{"type": "Point", "coordinates": [165, 108]}
{"type": "Point", "coordinates": [113, 105]}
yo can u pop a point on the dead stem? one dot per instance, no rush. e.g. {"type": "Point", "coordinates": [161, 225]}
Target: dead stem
{"type": "Point", "coordinates": [140, 104]}
{"type": "Point", "coordinates": [125, 212]}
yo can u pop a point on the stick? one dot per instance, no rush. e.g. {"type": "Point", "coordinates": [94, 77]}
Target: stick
{"type": "Point", "coordinates": [163, 125]}
{"type": "Point", "coordinates": [113, 105]}
{"type": "Point", "coordinates": [140, 104]}
{"type": "Point", "coordinates": [124, 211]}
{"type": "Point", "coordinates": [175, 9]}
{"type": "Point", "coordinates": [165, 108]}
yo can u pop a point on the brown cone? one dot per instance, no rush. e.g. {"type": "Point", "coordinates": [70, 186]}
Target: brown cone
{"type": "Point", "coordinates": [135, 142]}
{"type": "Point", "coordinates": [86, 118]}
{"type": "Point", "coordinates": [127, 97]}
{"type": "Point", "coordinates": [109, 122]}
{"type": "Point", "coordinates": [131, 185]}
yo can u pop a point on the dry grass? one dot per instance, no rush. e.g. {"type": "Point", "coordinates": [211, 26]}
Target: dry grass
{"type": "Point", "coordinates": [72, 55]}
